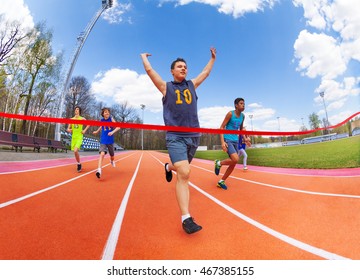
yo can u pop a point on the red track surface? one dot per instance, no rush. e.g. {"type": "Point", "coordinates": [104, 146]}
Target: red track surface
{"type": "Point", "coordinates": [49, 211]}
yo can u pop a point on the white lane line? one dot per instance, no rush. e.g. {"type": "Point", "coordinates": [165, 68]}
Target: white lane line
{"type": "Point", "coordinates": [285, 188]}
{"type": "Point", "coordinates": [113, 237]}
{"type": "Point", "coordinates": [13, 201]}
{"type": "Point", "coordinates": [84, 159]}
{"type": "Point", "coordinates": [294, 242]}
{"type": "Point", "coordinates": [35, 169]}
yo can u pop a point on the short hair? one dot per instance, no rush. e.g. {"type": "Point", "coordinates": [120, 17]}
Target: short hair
{"type": "Point", "coordinates": [78, 108]}
{"type": "Point", "coordinates": [237, 100]}
{"type": "Point", "coordinates": [103, 110]}
{"type": "Point", "coordinates": [177, 60]}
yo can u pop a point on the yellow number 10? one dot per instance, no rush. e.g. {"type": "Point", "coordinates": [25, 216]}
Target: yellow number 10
{"type": "Point", "coordinates": [187, 96]}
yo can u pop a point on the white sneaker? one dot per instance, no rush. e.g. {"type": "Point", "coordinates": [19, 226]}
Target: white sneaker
{"type": "Point", "coordinates": [113, 163]}
{"type": "Point", "coordinates": [245, 168]}
{"type": "Point", "coordinates": [98, 173]}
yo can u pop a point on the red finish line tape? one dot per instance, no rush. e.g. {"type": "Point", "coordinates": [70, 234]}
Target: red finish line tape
{"type": "Point", "coordinates": [167, 128]}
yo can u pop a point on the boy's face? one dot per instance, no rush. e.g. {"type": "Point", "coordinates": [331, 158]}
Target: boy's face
{"type": "Point", "coordinates": [241, 105]}
{"type": "Point", "coordinates": [77, 111]}
{"type": "Point", "coordinates": [180, 71]}
{"type": "Point", "coordinates": [106, 114]}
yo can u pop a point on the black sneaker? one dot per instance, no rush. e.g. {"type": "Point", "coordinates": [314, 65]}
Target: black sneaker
{"type": "Point", "coordinates": [190, 226]}
{"type": "Point", "coordinates": [78, 167]}
{"type": "Point", "coordinates": [168, 174]}
{"type": "Point", "coordinates": [98, 173]}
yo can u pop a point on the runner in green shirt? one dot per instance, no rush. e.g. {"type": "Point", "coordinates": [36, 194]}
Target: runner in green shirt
{"type": "Point", "coordinates": [77, 135]}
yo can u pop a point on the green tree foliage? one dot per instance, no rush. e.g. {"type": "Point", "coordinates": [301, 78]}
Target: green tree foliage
{"type": "Point", "coordinates": [39, 64]}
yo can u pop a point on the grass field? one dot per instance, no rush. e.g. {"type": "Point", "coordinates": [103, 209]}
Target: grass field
{"type": "Point", "coordinates": [342, 153]}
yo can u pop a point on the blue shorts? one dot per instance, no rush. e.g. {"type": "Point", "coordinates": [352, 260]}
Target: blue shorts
{"type": "Point", "coordinates": [181, 148]}
{"type": "Point", "coordinates": [232, 147]}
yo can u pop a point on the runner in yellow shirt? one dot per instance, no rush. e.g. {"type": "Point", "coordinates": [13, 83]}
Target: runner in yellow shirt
{"type": "Point", "coordinates": [77, 135]}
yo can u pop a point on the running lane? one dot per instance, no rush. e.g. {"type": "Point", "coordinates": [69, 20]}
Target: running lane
{"type": "Point", "coordinates": [70, 221]}
{"type": "Point", "coordinates": [132, 212]}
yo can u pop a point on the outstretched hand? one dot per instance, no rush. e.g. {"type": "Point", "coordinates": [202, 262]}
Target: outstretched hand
{"type": "Point", "coordinates": [145, 54]}
{"type": "Point", "coordinates": [213, 52]}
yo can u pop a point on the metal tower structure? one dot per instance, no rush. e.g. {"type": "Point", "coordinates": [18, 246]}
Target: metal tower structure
{"type": "Point", "coordinates": [106, 4]}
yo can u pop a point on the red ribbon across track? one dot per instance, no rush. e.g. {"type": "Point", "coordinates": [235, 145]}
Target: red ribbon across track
{"type": "Point", "coordinates": [167, 128]}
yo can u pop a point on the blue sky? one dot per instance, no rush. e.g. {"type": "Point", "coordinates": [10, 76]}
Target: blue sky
{"type": "Point", "coordinates": [276, 54]}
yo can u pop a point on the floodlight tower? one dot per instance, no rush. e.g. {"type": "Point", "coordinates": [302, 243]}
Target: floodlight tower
{"type": "Point", "coordinates": [322, 94]}
{"type": "Point", "coordinates": [252, 129]}
{"type": "Point", "coordinates": [106, 4]}
{"type": "Point", "coordinates": [279, 128]}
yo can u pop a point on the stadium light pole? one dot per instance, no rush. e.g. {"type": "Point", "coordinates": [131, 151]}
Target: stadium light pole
{"type": "Point", "coordinates": [105, 4]}
{"type": "Point", "coordinates": [252, 129]}
{"type": "Point", "coordinates": [279, 127]}
{"type": "Point", "coordinates": [142, 106]}
{"type": "Point", "coordinates": [322, 94]}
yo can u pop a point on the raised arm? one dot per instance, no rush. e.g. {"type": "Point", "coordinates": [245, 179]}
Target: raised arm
{"type": "Point", "coordinates": [154, 76]}
{"type": "Point", "coordinates": [206, 71]}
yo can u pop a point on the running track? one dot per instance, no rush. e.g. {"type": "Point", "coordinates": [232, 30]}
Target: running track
{"type": "Point", "coordinates": [49, 211]}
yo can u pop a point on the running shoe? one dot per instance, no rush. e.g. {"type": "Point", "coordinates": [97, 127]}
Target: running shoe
{"type": "Point", "coordinates": [245, 168]}
{"type": "Point", "coordinates": [79, 167]}
{"type": "Point", "coordinates": [98, 173]}
{"type": "Point", "coordinates": [113, 163]}
{"type": "Point", "coordinates": [217, 166]}
{"type": "Point", "coordinates": [168, 174]}
{"type": "Point", "coordinates": [221, 184]}
{"type": "Point", "coordinates": [190, 226]}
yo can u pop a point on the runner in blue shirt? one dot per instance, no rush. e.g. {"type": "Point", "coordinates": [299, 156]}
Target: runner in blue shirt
{"type": "Point", "coordinates": [106, 139]}
{"type": "Point", "coordinates": [233, 120]}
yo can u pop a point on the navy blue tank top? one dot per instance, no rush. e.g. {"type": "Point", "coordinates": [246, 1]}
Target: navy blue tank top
{"type": "Point", "coordinates": [180, 107]}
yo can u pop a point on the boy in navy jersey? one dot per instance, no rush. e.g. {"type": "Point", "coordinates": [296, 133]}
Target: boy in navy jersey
{"type": "Point", "coordinates": [106, 139]}
{"type": "Point", "coordinates": [233, 120]}
{"type": "Point", "coordinates": [180, 109]}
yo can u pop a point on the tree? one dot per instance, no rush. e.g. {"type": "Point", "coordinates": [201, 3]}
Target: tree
{"type": "Point", "coordinates": [3, 94]}
{"type": "Point", "coordinates": [314, 122]}
{"type": "Point", "coordinates": [41, 103]}
{"type": "Point", "coordinates": [10, 35]}
{"type": "Point", "coordinates": [39, 64]}
{"type": "Point", "coordinates": [79, 95]}
{"type": "Point", "coordinates": [129, 138]}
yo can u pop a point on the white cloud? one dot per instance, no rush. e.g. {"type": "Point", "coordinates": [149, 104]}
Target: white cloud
{"type": "Point", "coordinates": [121, 85]}
{"type": "Point", "coordinates": [260, 113]}
{"type": "Point", "coordinates": [212, 117]}
{"type": "Point", "coordinates": [319, 55]}
{"type": "Point", "coordinates": [282, 124]}
{"type": "Point", "coordinates": [337, 118]}
{"type": "Point", "coordinates": [313, 12]}
{"type": "Point", "coordinates": [254, 105]}
{"type": "Point", "coordinates": [236, 8]}
{"type": "Point", "coordinates": [16, 10]}
{"type": "Point", "coordinates": [115, 14]}
{"type": "Point", "coordinates": [328, 55]}
{"type": "Point", "coordinates": [345, 18]}
{"type": "Point", "coordinates": [336, 93]}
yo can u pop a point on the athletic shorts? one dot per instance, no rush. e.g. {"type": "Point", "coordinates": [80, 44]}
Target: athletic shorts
{"type": "Point", "coordinates": [181, 148]}
{"type": "Point", "coordinates": [76, 143]}
{"type": "Point", "coordinates": [232, 147]}
{"type": "Point", "coordinates": [104, 148]}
